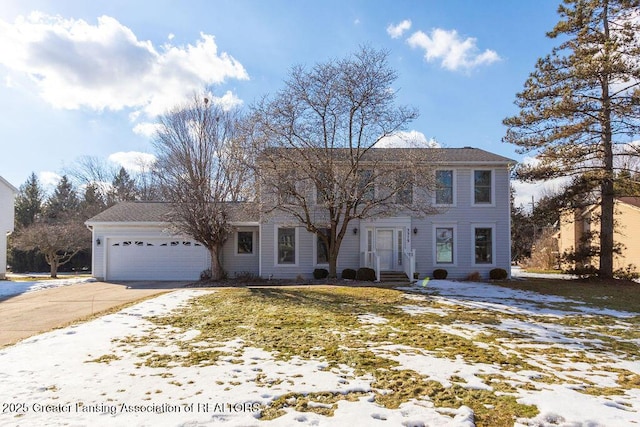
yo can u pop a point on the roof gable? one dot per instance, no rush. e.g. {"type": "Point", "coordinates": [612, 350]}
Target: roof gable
{"type": "Point", "coordinates": [8, 185]}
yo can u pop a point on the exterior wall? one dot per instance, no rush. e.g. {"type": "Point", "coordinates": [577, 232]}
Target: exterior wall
{"type": "Point", "coordinates": [7, 196]}
{"type": "Point", "coordinates": [233, 263]}
{"type": "Point", "coordinates": [464, 216]}
{"type": "Point", "coordinates": [236, 264]}
{"type": "Point", "coordinates": [349, 256]}
{"type": "Point", "coordinates": [627, 218]}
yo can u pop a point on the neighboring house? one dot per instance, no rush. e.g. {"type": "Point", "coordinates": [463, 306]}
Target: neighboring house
{"type": "Point", "coordinates": [580, 223]}
{"type": "Point", "coordinates": [470, 233]}
{"type": "Point", "coordinates": [7, 196]}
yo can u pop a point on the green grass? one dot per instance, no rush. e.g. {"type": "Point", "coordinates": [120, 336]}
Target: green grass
{"type": "Point", "coordinates": [323, 324]}
{"type": "Point", "coordinates": [615, 294]}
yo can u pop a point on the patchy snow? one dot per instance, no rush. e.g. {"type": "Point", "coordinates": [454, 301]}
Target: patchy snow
{"type": "Point", "coordinates": [56, 379]}
{"type": "Point", "coordinates": [14, 287]}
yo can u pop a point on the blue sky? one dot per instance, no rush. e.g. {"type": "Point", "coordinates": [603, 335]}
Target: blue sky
{"type": "Point", "coordinates": [87, 78]}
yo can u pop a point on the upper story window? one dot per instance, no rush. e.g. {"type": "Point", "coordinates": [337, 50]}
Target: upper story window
{"type": "Point", "coordinates": [444, 187]}
{"type": "Point", "coordinates": [366, 187]}
{"type": "Point", "coordinates": [404, 181]}
{"type": "Point", "coordinates": [482, 187]}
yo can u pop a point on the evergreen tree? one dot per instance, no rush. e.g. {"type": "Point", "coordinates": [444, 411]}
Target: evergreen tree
{"type": "Point", "coordinates": [28, 204]}
{"type": "Point", "coordinates": [582, 101]}
{"type": "Point", "coordinates": [123, 187]}
{"type": "Point", "coordinates": [92, 202]}
{"type": "Point", "coordinates": [63, 203]}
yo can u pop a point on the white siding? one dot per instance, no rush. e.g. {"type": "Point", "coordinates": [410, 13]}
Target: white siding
{"type": "Point", "coordinates": [6, 223]}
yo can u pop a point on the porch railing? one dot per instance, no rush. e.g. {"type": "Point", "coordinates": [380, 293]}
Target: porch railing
{"type": "Point", "coordinates": [409, 263]}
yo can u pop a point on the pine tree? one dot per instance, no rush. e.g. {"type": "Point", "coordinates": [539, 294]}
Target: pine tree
{"type": "Point", "coordinates": [581, 106]}
{"type": "Point", "coordinates": [123, 187]}
{"type": "Point", "coordinates": [63, 203]}
{"type": "Point", "coordinates": [28, 204]}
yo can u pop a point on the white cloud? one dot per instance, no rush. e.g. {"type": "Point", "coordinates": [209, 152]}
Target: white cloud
{"type": "Point", "coordinates": [227, 101]}
{"type": "Point", "coordinates": [49, 180]}
{"type": "Point", "coordinates": [411, 139]}
{"type": "Point", "coordinates": [453, 52]}
{"type": "Point", "coordinates": [147, 129]}
{"type": "Point", "coordinates": [104, 66]}
{"type": "Point", "coordinates": [133, 160]}
{"type": "Point", "coordinates": [396, 31]}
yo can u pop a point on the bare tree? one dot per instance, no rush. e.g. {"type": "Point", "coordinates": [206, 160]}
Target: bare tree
{"type": "Point", "coordinates": [59, 242]}
{"type": "Point", "coordinates": [315, 148]}
{"type": "Point", "coordinates": [200, 173]}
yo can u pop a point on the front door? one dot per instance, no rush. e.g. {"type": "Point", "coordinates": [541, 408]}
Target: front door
{"type": "Point", "coordinates": [384, 249]}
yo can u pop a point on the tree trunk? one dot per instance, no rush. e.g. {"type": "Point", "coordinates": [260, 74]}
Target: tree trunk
{"type": "Point", "coordinates": [217, 272]}
{"type": "Point", "coordinates": [333, 265]}
{"type": "Point", "coordinates": [54, 269]}
{"type": "Point", "coordinates": [606, 230]}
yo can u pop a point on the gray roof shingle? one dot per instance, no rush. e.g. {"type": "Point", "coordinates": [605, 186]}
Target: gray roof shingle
{"type": "Point", "coordinates": [157, 212]}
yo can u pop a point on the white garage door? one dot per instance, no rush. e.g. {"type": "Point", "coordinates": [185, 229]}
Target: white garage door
{"type": "Point", "coordinates": [155, 259]}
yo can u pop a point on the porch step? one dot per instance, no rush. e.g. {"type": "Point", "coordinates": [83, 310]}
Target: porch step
{"type": "Point", "coordinates": [393, 277]}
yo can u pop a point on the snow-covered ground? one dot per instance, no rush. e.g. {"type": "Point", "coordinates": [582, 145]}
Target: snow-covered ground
{"type": "Point", "coordinates": [16, 287]}
{"type": "Point", "coordinates": [63, 378]}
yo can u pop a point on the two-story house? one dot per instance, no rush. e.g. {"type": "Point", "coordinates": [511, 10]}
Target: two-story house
{"type": "Point", "coordinates": [7, 196]}
{"type": "Point", "coordinates": [468, 231]}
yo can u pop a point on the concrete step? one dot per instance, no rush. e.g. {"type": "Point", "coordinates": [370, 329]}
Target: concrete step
{"type": "Point", "coordinates": [393, 277]}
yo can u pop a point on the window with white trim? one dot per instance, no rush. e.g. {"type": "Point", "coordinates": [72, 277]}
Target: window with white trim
{"type": "Point", "coordinates": [444, 245]}
{"type": "Point", "coordinates": [286, 245]}
{"type": "Point", "coordinates": [245, 243]}
{"type": "Point", "coordinates": [482, 187]}
{"type": "Point", "coordinates": [483, 243]}
{"type": "Point", "coordinates": [444, 187]}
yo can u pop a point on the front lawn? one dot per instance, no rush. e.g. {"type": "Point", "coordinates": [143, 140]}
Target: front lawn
{"type": "Point", "coordinates": [614, 294]}
{"type": "Point", "coordinates": [507, 357]}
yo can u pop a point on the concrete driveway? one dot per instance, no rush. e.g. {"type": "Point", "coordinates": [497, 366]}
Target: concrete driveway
{"type": "Point", "coordinates": [32, 313]}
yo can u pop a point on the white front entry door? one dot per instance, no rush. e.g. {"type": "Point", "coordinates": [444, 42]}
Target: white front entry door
{"type": "Point", "coordinates": [384, 248]}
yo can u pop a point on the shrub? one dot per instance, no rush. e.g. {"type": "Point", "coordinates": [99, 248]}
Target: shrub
{"type": "Point", "coordinates": [205, 274]}
{"type": "Point", "coordinates": [320, 273]}
{"type": "Point", "coordinates": [349, 274]}
{"type": "Point", "coordinates": [498, 274]}
{"type": "Point", "coordinates": [440, 273]}
{"type": "Point", "coordinates": [366, 274]}
{"type": "Point", "coordinates": [473, 277]}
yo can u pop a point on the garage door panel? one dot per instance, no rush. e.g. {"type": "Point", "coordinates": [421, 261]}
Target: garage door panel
{"type": "Point", "coordinates": [155, 259]}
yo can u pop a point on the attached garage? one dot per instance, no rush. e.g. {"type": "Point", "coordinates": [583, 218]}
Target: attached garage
{"type": "Point", "coordinates": [136, 241]}
{"type": "Point", "coordinates": [154, 259]}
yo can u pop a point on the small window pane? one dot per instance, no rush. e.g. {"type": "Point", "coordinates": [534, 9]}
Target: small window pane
{"type": "Point", "coordinates": [404, 181]}
{"type": "Point", "coordinates": [484, 245]}
{"type": "Point", "coordinates": [444, 190]}
{"type": "Point", "coordinates": [286, 246]}
{"type": "Point", "coordinates": [245, 242]}
{"type": "Point", "coordinates": [482, 186]}
{"type": "Point", "coordinates": [444, 245]}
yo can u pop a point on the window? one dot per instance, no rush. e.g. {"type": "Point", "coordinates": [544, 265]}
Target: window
{"type": "Point", "coordinates": [483, 245]}
{"type": "Point", "coordinates": [286, 188]}
{"type": "Point", "coordinates": [405, 188]}
{"type": "Point", "coordinates": [366, 189]}
{"type": "Point", "coordinates": [444, 245]}
{"type": "Point", "coordinates": [322, 251]}
{"type": "Point", "coordinates": [286, 245]}
{"type": "Point", "coordinates": [444, 187]}
{"type": "Point", "coordinates": [482, 187]}
{"type": "Point", "coordinates": [245, 242]}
